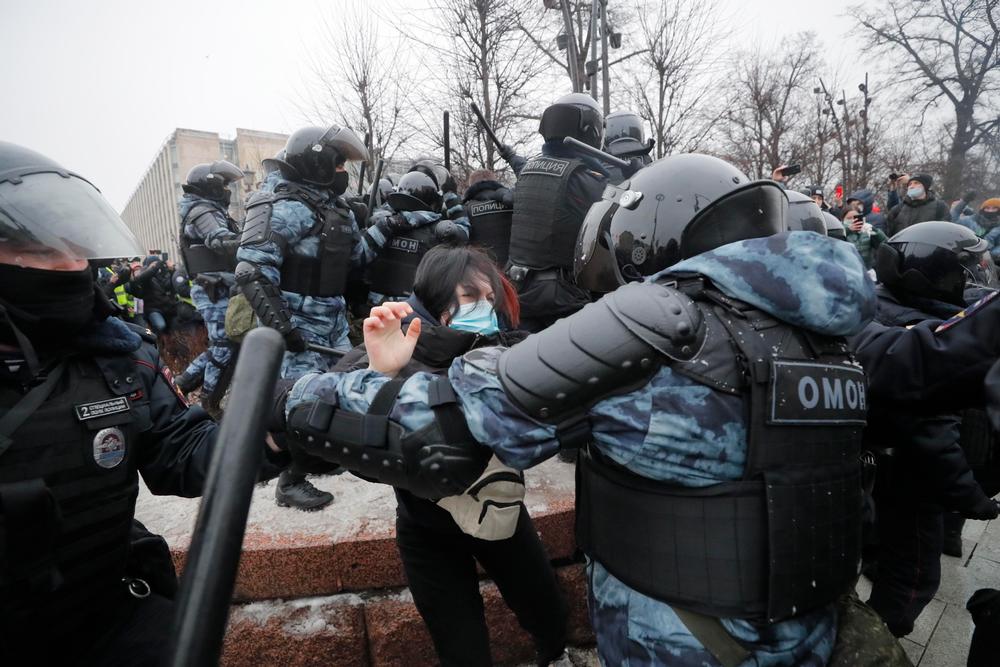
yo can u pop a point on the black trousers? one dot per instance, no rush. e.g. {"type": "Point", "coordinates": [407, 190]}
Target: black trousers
{"type": "Point", "coordinates": [909, 560]}
{"type": "Point", "coordinates": [121, 631]}
{"type": "Point", "coordinates": [441, 571]}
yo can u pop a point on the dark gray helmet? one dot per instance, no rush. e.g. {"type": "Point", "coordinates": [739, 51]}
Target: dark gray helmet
{"type": "Point", "coordinates": [574, 115]}
{"type": "Point", "coordinates": [624, 136]}
{"type": "Point", "coordinates": [314, 153]}
{"type": "Point", "coordinates": [675, 208]}
{"type": "Point", "coordinates": [935, 260]}
{"type": "Point", "coordinates": [804, 215]}
{"type": "Point", "coordinates": [416, 192]}
{"type": "Point", "coordinates": [212, 179]}
{"type": "Point", "coordinates": [44, 206]}
{"type": "Point", "coordinates": [834, 228]}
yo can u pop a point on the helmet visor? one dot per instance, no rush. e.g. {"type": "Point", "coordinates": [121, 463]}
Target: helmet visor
{"type": "Point", "coordinates": [62, 215]}
{"type": "Point", "coordinates": [594, 265]}
{"type": "Point", "coordinates": [755, 211]}
{"type": "Point", "coordinates": [344, 141]}
{"type": "Point", "coordinates": [227, 171]}
{"type": "Point", "coordinates": [981, 271]}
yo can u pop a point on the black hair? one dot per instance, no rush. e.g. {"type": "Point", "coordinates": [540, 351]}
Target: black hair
{"type": "Point", "coordinates": [446, 267]}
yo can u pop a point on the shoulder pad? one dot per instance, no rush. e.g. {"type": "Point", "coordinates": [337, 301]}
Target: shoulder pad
{"type": "Point", "coordinates": [145, 333]}
{"type": "Point", "coordinates": [257, 222]}
{"type": "Point", "coordinates": [665, 318]}
{"type": "Point", "coordinates": [610, 347]}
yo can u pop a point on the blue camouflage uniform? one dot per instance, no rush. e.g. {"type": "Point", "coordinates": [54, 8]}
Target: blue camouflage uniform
{"type": "Point", "coordinates": [416, 220]}
{"type": "Point", "coordinates": [209, 364]}
{"type": "Point", "coordinates": [322, 320]}
{"type": "Point", "coordinates": [673, 429]}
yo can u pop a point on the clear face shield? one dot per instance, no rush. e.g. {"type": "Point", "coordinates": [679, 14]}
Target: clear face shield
{"type": "Point", "coordinates": [47, 217]}
{"type": "Point", "coordinates": [345, 142]}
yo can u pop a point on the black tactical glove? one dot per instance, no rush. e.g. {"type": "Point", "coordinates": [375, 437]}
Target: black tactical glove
{"type": "Point", "coordinates": [294, 341]}
{"type": "Point", "coordinates": [984, 510]}
{"type": "Point", "coordinates": [449, 184]}
{"type": "Point", "coordinates": [634, 165]}
{"type": "Point", "coordinates": [392, 224]}
{"type": "Point", "coordinates": [447, 231]}
{"type": "Point", "coordinates": [969, 196]}
{"type": "Point", "coordinates": [506, 152]}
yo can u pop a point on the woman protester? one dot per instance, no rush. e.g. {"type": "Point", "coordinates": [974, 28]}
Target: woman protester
{"type": "Point", "coordinates": [461, 301]}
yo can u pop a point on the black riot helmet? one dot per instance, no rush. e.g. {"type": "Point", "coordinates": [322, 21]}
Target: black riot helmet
{"type": "Point", "coordinates": [623, 135]}
{"type": "Point", "coordinates": [211, 180]}
{"type": "Point", "coordinates": [314, 153]}
{"type": "Point", "coordinates": [675, 208]}
{"type": "Point", "coordinates": [442, 177]}
{"type": "Point", "coordinates": [935, 260]}
{"type": "Point", "coordinates": [834, 228]}
{"type": "Point", "coordinates": [804, 215]}
{"type": "Point", "coordinates": [44, 206]}
{"type": "Point", "coordinates": [416, 192]}
{"type": "Point", "coordinates": [574, 115]}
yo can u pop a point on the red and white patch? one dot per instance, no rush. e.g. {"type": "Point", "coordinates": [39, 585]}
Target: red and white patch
{"type": "Point", "coordinates": [169, 377]}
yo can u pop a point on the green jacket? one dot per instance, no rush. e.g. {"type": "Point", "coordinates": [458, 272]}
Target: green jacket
{"type": "Point", "coordinates": [866, 243]}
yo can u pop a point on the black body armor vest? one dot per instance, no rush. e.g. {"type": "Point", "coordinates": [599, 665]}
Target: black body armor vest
{"type": "Point", "coordinates": [324, 275]}
{"type": "Point", "coordinates": [489, 227]}
{"type": "Point", "coordinates": [784, 539]}
{"type": "Point", "coordinates": [544, 230]}
{"type": "Point", "coordinates": [199, 258]}
{"type": "Point", "coordinates": [68, 486]}
{"type": "Point", "coordinates": [394, 269]}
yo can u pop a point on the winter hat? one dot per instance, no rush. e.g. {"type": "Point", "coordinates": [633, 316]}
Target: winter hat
{"type": "Point", "coordinates": [925, 180]}
{"type": "Point", "coordinates": [993, 202]}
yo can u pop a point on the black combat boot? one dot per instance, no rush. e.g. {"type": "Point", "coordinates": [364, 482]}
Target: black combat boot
{"type": "Point", "coordinates": [295, 491]}
{"type": "Point", "coordinates": [188, 382]}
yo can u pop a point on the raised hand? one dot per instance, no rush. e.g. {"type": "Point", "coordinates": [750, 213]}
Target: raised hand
{"type": "Point", "coordinates": [389, 350]}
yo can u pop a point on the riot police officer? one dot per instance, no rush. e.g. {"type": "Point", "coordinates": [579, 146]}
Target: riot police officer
{"type": "Point", "coordinates": [415, 205]}
{"type": "Point", "coordinates": [489, 206]}
{"type": "Point", "coordinates": [554, 191]}
{"type": "Point", "coordinates": [803, 214]}
{"type": "Point", "coordinates": [685, 390]}
{"type": "Point", "coordinates": [86, 406]}
{"type": "Point", "coordinates": [208, 241]}
{"type": "Point", "coordinates": [299, 242]}
{"type": "Point", "coordinates": [625, 139]}
{"type": "Point", "coordinates": [924, 272]}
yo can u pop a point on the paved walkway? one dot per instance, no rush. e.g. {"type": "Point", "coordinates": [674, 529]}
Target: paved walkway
{"type": "Point", "coordinates": [941, 635]}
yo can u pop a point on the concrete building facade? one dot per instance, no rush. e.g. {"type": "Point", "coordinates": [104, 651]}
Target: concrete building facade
{"type": "Point", "coordinates": [151, 211]}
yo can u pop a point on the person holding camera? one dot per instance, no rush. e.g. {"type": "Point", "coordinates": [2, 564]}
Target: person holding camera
{"type": "Point", "coordinates": [865, 238]}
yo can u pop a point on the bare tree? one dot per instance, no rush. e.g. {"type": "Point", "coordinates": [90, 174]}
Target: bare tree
{"type": "Point", "coordinates": [358, 81]}
{"type": "Point", "coordinates": [765, 107]}
{"type": "Point", "coordinates": [951, 51]}
{"type": "Point", "coordinates": [670, 82]}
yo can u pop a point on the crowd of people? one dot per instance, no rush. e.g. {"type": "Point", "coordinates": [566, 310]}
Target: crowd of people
{"type": "Point", "coordinates": [765, 393]}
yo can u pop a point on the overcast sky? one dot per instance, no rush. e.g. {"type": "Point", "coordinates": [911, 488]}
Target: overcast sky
{"type": "Point", "coordinates": [100, 85]}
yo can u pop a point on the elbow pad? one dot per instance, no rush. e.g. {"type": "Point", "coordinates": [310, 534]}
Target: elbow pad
{"type": "Point", "coordinates": [439, 460]}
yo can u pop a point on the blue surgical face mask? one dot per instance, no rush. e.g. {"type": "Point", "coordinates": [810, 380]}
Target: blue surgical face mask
{"type": "Point", "coordinates": [915, 192]}
{"type": "Point", "coordinates": [478, 317]}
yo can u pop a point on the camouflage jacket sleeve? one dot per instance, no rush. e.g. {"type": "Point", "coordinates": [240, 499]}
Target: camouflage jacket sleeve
{"type": "Point", "coordinates": [672, 429]}
{"type": "Point", "coordinates": [221, 233]}
{"type": "Point", "coordinates": [292, 221]}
